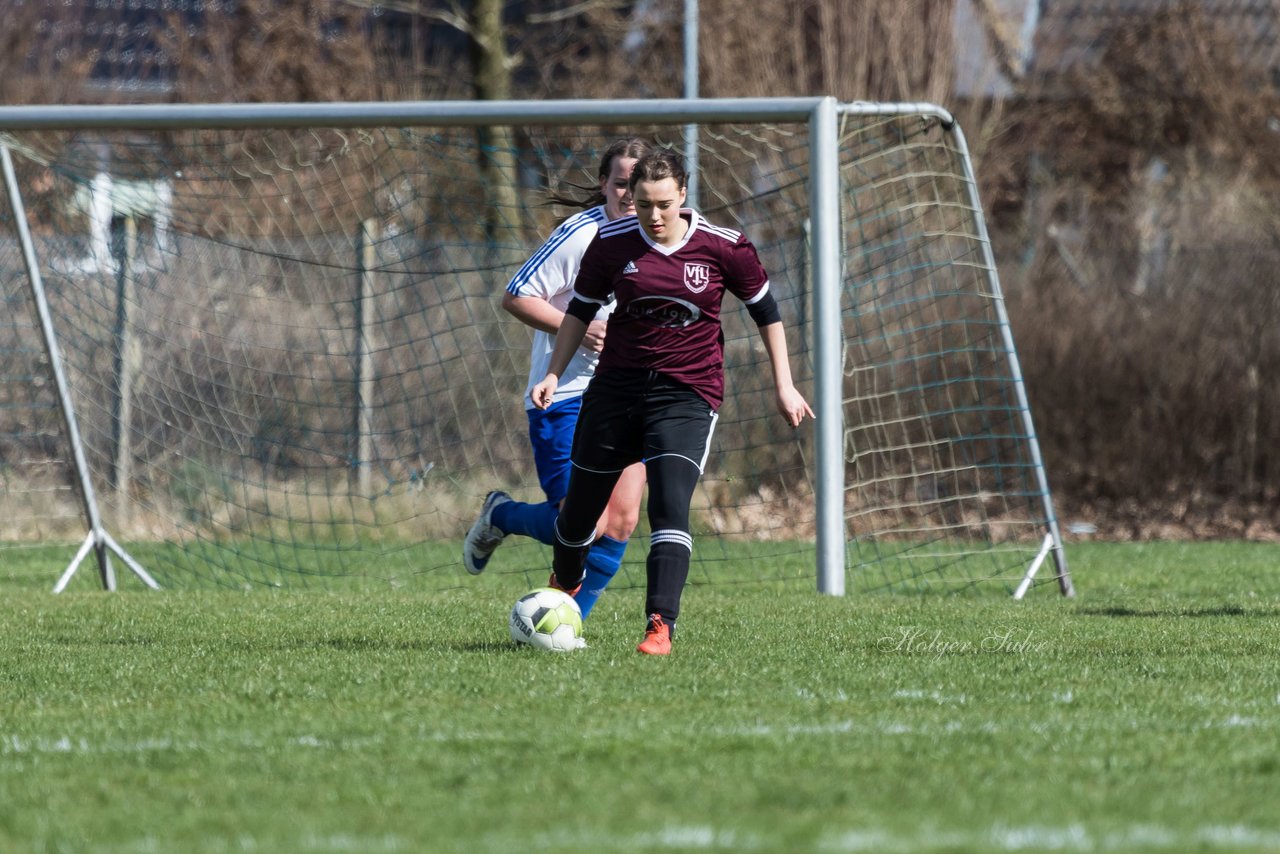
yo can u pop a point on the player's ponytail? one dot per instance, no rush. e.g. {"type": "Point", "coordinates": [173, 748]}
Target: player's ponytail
{"type": "Point", "coordinates": [633, 147]}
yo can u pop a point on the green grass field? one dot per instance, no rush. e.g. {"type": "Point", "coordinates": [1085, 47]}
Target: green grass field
{"type": "Point", "coordinates": [1142, 716]}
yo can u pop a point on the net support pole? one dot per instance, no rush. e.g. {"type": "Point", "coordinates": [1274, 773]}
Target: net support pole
{"type": "Point", "coordinates": [1015, 367]}
{"type": "Point", "coordinates": [824, 214]}
{"type": "Point", "coordinates": [101, 542]}
{"type": "Point", "coordinates": [125, 367]}
{"type": "Point", "coordinates": [364, 357]}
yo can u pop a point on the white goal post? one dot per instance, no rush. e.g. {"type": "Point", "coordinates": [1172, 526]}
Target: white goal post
{"type": "Point", "coordinates": [202, 375]}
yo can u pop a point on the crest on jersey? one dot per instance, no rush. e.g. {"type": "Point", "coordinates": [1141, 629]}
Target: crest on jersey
{"type": "Point", "coordinates": [697, 277]}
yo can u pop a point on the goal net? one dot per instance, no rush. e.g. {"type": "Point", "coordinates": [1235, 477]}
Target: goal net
{"type": "Point", "coordinates": [287, 364]}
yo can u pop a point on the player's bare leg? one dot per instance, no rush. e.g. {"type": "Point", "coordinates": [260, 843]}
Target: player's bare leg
{"type": "Point", "coordinates": [615, 526]}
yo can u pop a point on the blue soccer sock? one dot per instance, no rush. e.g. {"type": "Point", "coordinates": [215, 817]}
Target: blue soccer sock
{"type": "Point", "coordinates": [531, 520]}
{"type": "Point", "coordinates": [602, 565]}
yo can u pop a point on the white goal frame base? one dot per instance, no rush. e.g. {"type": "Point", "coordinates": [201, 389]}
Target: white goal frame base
{"type": "Point", "coordinates": [101, 542]}
{"type": "Point", "coordinates": [1045, 548]}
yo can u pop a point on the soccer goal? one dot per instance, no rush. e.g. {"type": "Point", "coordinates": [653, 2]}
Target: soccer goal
{"type": "Point", "coordinates": [262, 345]}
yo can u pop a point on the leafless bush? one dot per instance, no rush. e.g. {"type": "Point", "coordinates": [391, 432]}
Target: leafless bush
{"type": "Point", "coordinates": [885, 50]}
{"type": "Point", "coordinates": [1147, 306]}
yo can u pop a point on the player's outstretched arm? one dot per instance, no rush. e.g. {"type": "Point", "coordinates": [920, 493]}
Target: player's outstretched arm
{"type": "Point", "coordinates": [790, 402]}
{"type": "Point", "coordinates": [568, 339]}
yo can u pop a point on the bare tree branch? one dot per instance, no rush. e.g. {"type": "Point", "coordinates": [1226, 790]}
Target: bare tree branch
{"type": "Point", "coordinates": [577, 9]}
{"type": "Point", "coordinates": [453, 16]}
{"type": "Point", "coordinates": [1004, 47]}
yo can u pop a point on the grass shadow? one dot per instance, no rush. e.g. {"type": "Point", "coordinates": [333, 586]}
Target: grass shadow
{"type": "Point", "coordinates": [486, 646]}
{"type": "Point", "coordinates": [1220, 611]}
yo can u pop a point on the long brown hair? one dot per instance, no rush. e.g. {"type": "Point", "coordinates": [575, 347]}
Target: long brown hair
{"type": "Point", "coordinates": [632, 146]}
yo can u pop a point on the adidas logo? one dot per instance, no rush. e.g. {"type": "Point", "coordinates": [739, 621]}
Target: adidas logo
{"type": "Point", "coordinates": [630, 268]}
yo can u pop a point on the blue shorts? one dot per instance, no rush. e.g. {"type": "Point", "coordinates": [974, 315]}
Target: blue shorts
{"type": "Point", "coordinates": [551, 435]}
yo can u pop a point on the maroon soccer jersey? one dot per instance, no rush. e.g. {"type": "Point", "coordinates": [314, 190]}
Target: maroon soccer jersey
{"type": "Point", "coordinates": [668, 313]}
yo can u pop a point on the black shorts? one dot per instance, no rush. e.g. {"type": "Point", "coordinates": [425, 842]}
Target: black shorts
{"type": "Point", "coordinates": [633, 416]}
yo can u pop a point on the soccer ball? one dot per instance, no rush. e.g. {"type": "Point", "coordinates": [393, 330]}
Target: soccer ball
{"type": "Point", "coordinates": [548, 619]}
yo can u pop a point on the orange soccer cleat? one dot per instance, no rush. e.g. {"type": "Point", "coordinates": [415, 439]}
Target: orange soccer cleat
{"type": "Point", "coordinates": [657, 638]}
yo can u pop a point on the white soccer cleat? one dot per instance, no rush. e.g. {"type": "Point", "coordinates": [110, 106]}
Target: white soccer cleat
{"type": "Point", "coordinates": [483, 537]}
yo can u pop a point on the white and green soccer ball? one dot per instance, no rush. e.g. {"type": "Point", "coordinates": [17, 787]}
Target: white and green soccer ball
{"type": "Point", "coordinates": [548, 619]}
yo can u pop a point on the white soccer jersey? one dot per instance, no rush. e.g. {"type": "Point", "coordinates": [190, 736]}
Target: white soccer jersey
{"type": "Point", "coordinates": [549, 275]}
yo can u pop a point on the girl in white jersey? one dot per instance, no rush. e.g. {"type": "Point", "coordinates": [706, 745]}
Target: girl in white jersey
{"type": "Point", "coordinates": [538, 295]}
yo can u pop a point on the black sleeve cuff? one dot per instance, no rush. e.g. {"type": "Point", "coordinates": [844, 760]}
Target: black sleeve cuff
{"type": "Point", "coordinates": [583, 310]}
{"type": "Point", "coordinates": [765, 310]}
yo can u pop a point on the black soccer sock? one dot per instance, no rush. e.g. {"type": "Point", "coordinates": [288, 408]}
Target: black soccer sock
{"type": "Point", "coordinates": [672, 480]}
{"type": "Point", "coordinates": [575, 528]}
{"type": "Point", "coordinates": [668, 569]}
{"type": "Point", "coordinates": [569, 559]}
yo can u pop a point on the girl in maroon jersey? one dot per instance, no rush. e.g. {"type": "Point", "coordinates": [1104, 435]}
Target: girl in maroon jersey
{"type": "Point", "coordinates": [660, 378]}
